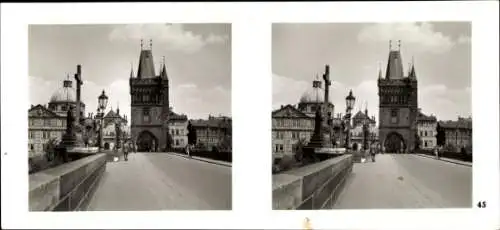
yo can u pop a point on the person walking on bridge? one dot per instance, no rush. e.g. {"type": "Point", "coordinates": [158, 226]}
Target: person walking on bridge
{"type": "Point", "coordinates": [188, 150]}
{"type": "Point", "coordinates": [126, 150]}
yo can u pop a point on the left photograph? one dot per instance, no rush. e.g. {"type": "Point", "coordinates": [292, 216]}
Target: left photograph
{"type": "Point", "coordinates": [129, 117]}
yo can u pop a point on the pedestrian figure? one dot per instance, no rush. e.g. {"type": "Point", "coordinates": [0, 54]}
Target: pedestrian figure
{"type": "Point", "coordinates": [436, 152]}
{"type": "Point", "coordinates": [188, 150]}
{"type": "Point", "coordinates": [125, 151]}
{"type": "Point", "coordinates": [373, 151]}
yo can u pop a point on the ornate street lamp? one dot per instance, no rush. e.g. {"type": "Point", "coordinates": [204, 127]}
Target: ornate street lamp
{"type": "Point", "coordinates": [349, 101]}
{"type": "Point", "coordinates": [118, 132]}
{"type": "Point", "coordinates": [365, 134]}
{"type": "Point", "coordinates": [102, 102]}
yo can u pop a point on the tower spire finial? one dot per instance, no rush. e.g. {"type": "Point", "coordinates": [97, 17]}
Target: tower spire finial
{"type": "Point", "coordinates": [390, 45]}
{"type": "Point", "coordinates": [366, 108]}
{"type": "Point", "coordinates": [399, 45]}
{"type": "Point", "coordinates": [131, 70]}
{"type": "Point", "coordinates": [163, 57]}
{"type": "Point", "coordinates": [151, 44]}
{"type": "Point", "coordinates": [380, 70]}
{"type": "Point", "coordinates": [142, 43]}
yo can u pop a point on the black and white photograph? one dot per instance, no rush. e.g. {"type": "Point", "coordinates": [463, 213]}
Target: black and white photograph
{"type": "Point", "coordinates": [131, 117]}
{"type": "Point", "coordinates": [364, 115]}
{"type": "Point", "coordinates": [372, 115]}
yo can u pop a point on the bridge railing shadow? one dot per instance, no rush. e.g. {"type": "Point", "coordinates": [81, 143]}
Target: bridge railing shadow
{"type": "Point", "coordinates": [449, 154]}
{"type": "Point", "coordinates": [225, 156]}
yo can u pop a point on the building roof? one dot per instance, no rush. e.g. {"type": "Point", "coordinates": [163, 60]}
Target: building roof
{"type": "Point", "coordinates": [64, 94]}
{"type": "Point", "coordinates": [289, 111]}
{"type": "Point", "coordinates": [394, 65]}
{"type": "Point", "coordinates": [41, 111]}
{"type": "Point", "coordinates": [113, 115]}
{"type": "Point", "coordinates": [313, 95]}
{"type": "Point", "coordinates": [423, 117]}
{"type": "Point", "coordinates": [461, 123]}
{"type": "Point", "coordinates": [146, 67]}
{"type": "Point", "coordinates": [362, 116]}
{"type": "Point", "coordinates": [214, 123]}
{"type": "Point", "coordinates": [174, 116]}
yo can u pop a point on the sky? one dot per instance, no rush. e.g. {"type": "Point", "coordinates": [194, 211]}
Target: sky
{"type": "Point", "coordinates": [197, 56]}
{"type": "Point", "coordinates": [441, 53]}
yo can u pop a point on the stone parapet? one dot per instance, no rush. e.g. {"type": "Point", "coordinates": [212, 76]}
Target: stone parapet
{"type": "Point", "coordinates": [67, 187]}
{"type": "Point", "coordinates": [314, 186]}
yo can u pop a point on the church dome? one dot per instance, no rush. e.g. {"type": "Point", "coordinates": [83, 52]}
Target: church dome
{"type": "Point", "coordinates": [64, 94]}
{"type": "Point", "coordinates": [312, 95]}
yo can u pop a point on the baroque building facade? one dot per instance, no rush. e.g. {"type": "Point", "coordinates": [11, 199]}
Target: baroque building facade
{"type": "Point", "coordinates": [213, 131]}
{"type": "Point", "coordinates": [150, 106]}
{"type": "Point", "coordinates": [426, 131]}
{"type": "Point", "coordinates": [49, 122]}
{"type": "Point", "coordinates": [177, 124]}
{"type": "Point", "coordinates": [294, 123]}
{"type": "Point", "coordinates": [458, 134]}
{"type": "Point", "coordinates": [398, 105]}
{"type": "Point", "coordinates": [111, 120]}
{"type": "Point", "coordinates": [289, 125]}
{"type": "Point", "coordinates": [358, 132]}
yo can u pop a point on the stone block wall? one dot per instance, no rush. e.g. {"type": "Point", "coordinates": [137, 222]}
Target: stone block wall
{"type": "Point", "coordinates": [68, 187]}
{"type": "Point", "coordinates": [311, 187]}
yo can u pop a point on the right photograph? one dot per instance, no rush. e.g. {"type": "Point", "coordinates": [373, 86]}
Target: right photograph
{"type": "Point", "coordinates": [371, 115]}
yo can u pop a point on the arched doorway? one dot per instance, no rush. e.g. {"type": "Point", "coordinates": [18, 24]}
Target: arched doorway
{"type": "Point", "coordinates": [106, 145]}
{"type": "Point", "coordinates": [394, 143]}
{"type": "Point", "coordinates": [146, 142]}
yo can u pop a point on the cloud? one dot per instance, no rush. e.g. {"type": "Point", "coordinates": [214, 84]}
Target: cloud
{"type": "Point", "coordinates": [198, 102]}
{"type": "Point", "coordinates": [170, 36]}
{"type": "Point", "coordinates": [449, 102]}
{"type": "Point", "coordinates": [420, 36]}
{"type": "Point", "coordinates": [464, 39]}
{"type": "Point", "coordinates": [287, 90]}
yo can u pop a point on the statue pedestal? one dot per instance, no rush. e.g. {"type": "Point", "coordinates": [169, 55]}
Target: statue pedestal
{"type": "Point", "coordinates": [68, 140]}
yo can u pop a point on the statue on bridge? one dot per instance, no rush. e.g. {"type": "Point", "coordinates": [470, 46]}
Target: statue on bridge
{"type": "Point", "coordinates": [70, 121]}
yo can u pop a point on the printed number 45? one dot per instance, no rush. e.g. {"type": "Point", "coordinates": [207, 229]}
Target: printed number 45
{"type": "Point", "coordinates": [481, 204]}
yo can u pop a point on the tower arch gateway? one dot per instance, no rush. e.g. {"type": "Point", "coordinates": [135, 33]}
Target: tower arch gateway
{"type": "Point", "coordinates": [146, 142]}
{"type": "Point", "coordinates": [394, 142]}
{"type": "Point", "coordinates": [398, 104]}
{"type": "Point", "coordinates": [149, 94]}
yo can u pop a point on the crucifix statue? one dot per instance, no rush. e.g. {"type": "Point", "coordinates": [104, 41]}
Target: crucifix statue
{"type": "Point", "coordinates": [79, 82]}
{"type": "Point", "coordinates": [326, 78]}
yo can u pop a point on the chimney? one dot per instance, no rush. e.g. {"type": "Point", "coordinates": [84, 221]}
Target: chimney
{"type": "Point", "coordinates": [282, 106]}
{"type": "Point", "coordinates": [32, 106]}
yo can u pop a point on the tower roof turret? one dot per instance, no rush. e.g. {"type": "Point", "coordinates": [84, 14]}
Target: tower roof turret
{"type": "Point", "coordinates": [163, 72]}
{"type": "Point", "coordinates": [146, 67]}
{"type": "Point", "coordinates": [394, 64]}
{"type": "Point", "coordinates": [412, 74]}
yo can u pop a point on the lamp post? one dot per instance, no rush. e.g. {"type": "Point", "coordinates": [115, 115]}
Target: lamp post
{"type": "Point", "coordinates": [103, 102]}
{"type": "Point", "coordinates": [365, 134]}
{"type": "Point", "coordinates": [118, 133]}
{"type": "Point", "coordinates": [349, 101]}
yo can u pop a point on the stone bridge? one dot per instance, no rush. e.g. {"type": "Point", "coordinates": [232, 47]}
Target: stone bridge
{"type": "Point", "coordinates": [147, 181]}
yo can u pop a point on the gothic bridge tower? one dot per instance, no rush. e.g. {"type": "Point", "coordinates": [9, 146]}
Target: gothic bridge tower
{"type": "Point", "coordinates": [149, 95]}
{"type": "Point", "coordinates": [398, 104]}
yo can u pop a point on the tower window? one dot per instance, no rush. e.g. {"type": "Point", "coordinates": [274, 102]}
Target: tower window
{"type": "Point", "coordinates": [146, 115]}
{"type": "Point", "coordinates": [394, 116]}
{"type": "Point", "coordinates": [394, 113]}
